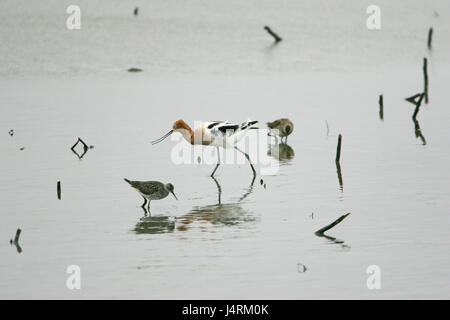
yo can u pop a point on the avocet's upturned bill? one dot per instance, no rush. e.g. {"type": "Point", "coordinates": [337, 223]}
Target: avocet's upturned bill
{"type": "Point", "coordinates": [215, 133]}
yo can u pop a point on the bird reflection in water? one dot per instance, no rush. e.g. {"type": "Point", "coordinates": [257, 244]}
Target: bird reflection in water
{"type": "Point", "coordinates": [155, 225]}
{"type": "Point", "coordinates": [229, 214]}
{"type": "Point", "coordinates": [282, 152]}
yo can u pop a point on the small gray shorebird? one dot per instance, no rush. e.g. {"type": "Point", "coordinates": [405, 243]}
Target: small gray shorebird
{"type": "Point", "coordinates": [284, 127]}
{"type": "Point", "coordinates": [152, 190]}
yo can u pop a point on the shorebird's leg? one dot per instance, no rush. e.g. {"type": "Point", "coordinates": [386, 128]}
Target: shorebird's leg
{"type": "Point", "coordinates": [145, 202]}
{"type": "Point", "coordinates": [248, 158]}
{"type": "Point", "coordinates": [219, 189]}
{"type": "Point", "coordinates": [218, 162]}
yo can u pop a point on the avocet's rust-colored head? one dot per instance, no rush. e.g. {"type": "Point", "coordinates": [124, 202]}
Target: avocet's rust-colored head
{"type": "Point", "coordinates": [180, 125]}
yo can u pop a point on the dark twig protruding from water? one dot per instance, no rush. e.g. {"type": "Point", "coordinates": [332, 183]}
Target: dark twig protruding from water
{"type": "Point", "coordinates": [17, 236]}
{"type": "Point", "coordinates": [417, 100]}
{"type": "Point", "coordinates": [338, 165]}
{"type": "Point", "coordinates": [136, 11]}
{"type": "Point", "coordinates": [380, 102]}
{"type": "Point", "coordinates": [418, 103]}
{"type": "Point", "coordinates": [338, 150]}
{"type": "Point", "coordinates": [425, 79]}
{"type": "Point", "coordinates": [418, 132]}
{"type": "Point", "coordinates": [273, 34]}
{"type": "Point", "coordinates": [430, 37]}
{"type": "Point", "coordinates": [413, 98]}
{"type": "Point", "coordinates": [85, 148]}
{"type": "Point", "coordinates": [134, 70]}
{"type": "Point", "coordinates": [339, 173]}
{"type": "Point", "coordinates": [16, 240]}
{"type": "Point", "coordinates": [58, 190]}
{"type": "Point", "coordinates": [321, 232]}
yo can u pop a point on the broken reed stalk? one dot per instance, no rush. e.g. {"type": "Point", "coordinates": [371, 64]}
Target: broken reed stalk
{"type": "Point", "coordinates": [79, 141]}
{"type": "Point", "coordinates": [425, 79]}
{"type": "Point", "coordinates": [331, 225]}
{"type": "Point", "coordinates": [413, 98]}
{"type": "Point", "coordinates": [418, 103]}
{"type": "Point", "coordinates": [380, 102]}
{"type": "Point", "coordinates": [58, 190]}
{"type": "Point", "coordinates": [273, 34]}
{"type": "Point", "coordinates": [338, 151]}
{"type": "Point", "coordinates": [16, 238]}
{"type": "Point", "coordinates": [339, 173]}
{"type": "Point", "coordinates": [418, 132]}
{"type": "Point", "coordinates": [85, 146]}
{"type": "Point", "coordinates": [430, 37]}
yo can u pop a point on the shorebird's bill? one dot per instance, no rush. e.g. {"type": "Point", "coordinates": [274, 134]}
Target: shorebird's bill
{"type": "Point", "coordinates": [162, 138]}
{"type": "Point", "coordinates": [174, 194]}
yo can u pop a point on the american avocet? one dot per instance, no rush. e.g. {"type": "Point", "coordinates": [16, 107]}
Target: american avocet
{"type": "Point", "coordinates": [152, 190]}
{"type": "Point", "coordinates": [284, 127]}
{"type": "Point", "coordinates": [216, 133]}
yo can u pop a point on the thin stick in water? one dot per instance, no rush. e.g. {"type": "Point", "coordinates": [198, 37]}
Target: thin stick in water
{"type": "Point", "coordinates": [338, 151]}
{"type": "Point", "coordinates": [418, 132]}
{"type": "Point", "coordinates": [380, 102]}
{"type": "Point", "coordinates": [273, 34]}
{"type": "Point", "coordinates": [339, 173]}
{"type": "Point", "coordinates": [425, 79]}
{"type": "Point", "coordinates": [58, 190]}
{"type": "Point", "coordinates": [331, 225]}
{"type": "Point", "coordinates": [413, 98]}
{"type": "Point", "coordinates": [430, 37]}
{"type": "Point", "coordinates": [16, 238]}
{"type": "Point", "coordinates": [418, 103]}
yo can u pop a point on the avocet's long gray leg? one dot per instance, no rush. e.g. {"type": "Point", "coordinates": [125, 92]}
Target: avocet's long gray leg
{"type": "Point", "coordinates": [218, 162]}
{"type": "Point", "coordinates": [219, 190]}
{"type": "Point", "coordinates": [248, 158]}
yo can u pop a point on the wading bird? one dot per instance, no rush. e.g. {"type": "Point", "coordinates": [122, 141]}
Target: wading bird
{"type": "Point", "coordinates": [152, 190]}
{"type": "Point", "coordinates": [283, 126]}
{"type": "Point", "coordinates": [216, 134]}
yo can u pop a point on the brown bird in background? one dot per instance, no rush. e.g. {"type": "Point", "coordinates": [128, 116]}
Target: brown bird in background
{"type": "Point", "coordinates": [282, 127]}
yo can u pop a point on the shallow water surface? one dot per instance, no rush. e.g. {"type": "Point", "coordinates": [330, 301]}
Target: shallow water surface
{"type": "Point", "coordinates": [229, 237]}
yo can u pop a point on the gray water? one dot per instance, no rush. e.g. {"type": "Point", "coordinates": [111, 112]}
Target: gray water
{"type": "Point", "coordinates": [212, 60]}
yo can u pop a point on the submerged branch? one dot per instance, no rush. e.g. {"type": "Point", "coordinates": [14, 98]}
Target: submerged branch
{"type": "Point", "coordinates": [273, 34]}
{"type": "Point", "coordinates": [321, 232]}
